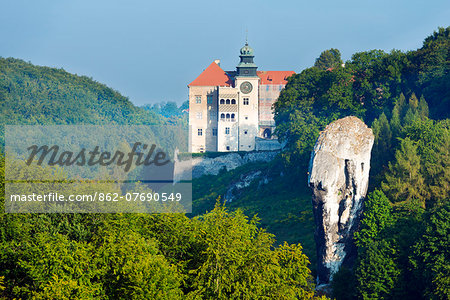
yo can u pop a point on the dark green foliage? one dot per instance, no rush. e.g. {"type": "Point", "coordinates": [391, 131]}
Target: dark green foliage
{"type": "Point", "coordinates": [431, 255]}
{"type": "Point", "coordinates": [281, 205]}
{"type": "Point", "coordinates": [220, 255]}
{"type": "Point", "coordinates": [382, 147]}
{"type": "Point", "coordinates": [329, 59]}
{"type": "Point", "coordinates": [171, 111]}
{"type": "Point", "coordinates": [371, 83]}
{"type": "Point", "coordinates": [430, 71]}
{"type": "Point", "coordinates": [377, 272]}
{"type": "Point", "coordinates": [377, 216]}
{"type": "Point", "coordinates": [32, 94]}
{"type": "Point", "coordinates": [404, 181]}
{"type": "Point", "coordinates": [420, 170]}
{"type": "Point", "coordinates": [403, 239]}
{"type": "Point", "coordinates": [343, 284]}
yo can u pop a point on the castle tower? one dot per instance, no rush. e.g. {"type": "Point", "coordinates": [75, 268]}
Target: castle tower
{"type": "Point", "coordinates": [247, 83]}
{"type": "Point", "coordinates": [232, 110]}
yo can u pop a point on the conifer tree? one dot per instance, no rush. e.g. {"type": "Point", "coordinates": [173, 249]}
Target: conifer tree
{"type": "Point", "coordinates": [423, 107]}
{"type": "Point", "coordinates": [396, 126]}
{"type": "Point", "coordinates": [404, 181]}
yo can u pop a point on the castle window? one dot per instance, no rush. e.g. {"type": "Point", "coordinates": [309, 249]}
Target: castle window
{"type": "Point", "coordinates": [198, 115]}
{"type": "Point", "coordinates": [246, 101]}
{"type": "Point", "coordinates": [227, 130]}
{"type": "Point", "coordinates": [209, 99]}
{"type": "Point", "coordinates": [222, 117]}
{"type": "Point", "coordinates": [232, 117]}
{"type": "Point", "coordinates": [214, 131]}
{"type": "Point", "coordinates": [228, 117]}
{"type": "Point", "coordinates": [222, 101]}
{"type": "Point", "coordinates": [198, 99]}
{"type": "Point", "coordinates": [200, 132]}
{"type": "Point", "coordinates": [212, 115]}
{"type": "Point", "coordinates": [228, 148]}
{"type": "Point", "coordinates": [267, 87]}
{"type": "Point", "coordinates": [245, 131]}
{"type": "Point", "coordinates": [228, 101]}
{"type": "Point", "coordinates": [233, 101]}
{"type": "Point", "coordinates": [246, 117]}
{"type": "Point", "coordinates": [280, 87]}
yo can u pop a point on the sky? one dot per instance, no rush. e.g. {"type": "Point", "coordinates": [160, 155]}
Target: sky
{"type": "Point", "coordinates": [151, 50]}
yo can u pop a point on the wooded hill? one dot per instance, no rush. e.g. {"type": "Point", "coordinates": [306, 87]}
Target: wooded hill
{"type": "Point", "coordinates": [403, 241]}
{"type": "Point", "coordinates": [31, 94]}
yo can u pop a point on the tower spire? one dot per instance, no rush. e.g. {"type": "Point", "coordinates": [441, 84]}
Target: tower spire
{"type": "Point", "coordinates": [246, 37]}
{"type": "Point", "coordinates": [246, 66]}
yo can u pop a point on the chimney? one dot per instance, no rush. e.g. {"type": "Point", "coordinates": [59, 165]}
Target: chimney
{"type": "Point", "coordinates": [217, 61]}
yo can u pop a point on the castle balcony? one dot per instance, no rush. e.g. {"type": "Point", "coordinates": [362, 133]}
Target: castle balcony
{"type": "Point", "coordinates": [269, 123]}
{"type": "Point", "coordinates": [228, 101]}
{"type": "Point", "coordinates": [227, 117]}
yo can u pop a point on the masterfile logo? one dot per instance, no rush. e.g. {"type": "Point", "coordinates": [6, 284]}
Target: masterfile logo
{"type": "Point", "coordinates": [95, 169]}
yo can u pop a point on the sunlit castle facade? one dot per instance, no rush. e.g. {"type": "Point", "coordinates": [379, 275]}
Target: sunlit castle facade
{"type": "Point", "coordinates": [231, 110]}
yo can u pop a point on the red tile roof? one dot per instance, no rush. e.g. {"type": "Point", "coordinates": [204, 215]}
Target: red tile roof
{"type": "Point", "coordinates": [213, 75]}
{"type": "Point", "coordinates": [274, 77]}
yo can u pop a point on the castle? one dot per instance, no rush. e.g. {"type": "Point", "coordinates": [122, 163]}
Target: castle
{"type": "Point", "coordinates": [230, 110]}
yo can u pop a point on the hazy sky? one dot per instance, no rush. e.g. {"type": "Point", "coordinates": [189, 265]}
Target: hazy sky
{"type": "Point", "coordinates": [150, 50]}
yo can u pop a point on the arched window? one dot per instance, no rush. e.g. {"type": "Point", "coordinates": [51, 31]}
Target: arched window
{"type": "Point", "coordinates": [222, 101]}
{"type": "Point", "coordinates": [228, 117]}
{"type": "Point", "coordinates": [233, 101]}
{"type": "Point", "coordinates": [228, 101]}
{"type": "Point", "coordinates": [232, 117]}
{"type": "Point", "coordinates": [222, 116]}
{"type": "Point", "coordinates": [267, 133]}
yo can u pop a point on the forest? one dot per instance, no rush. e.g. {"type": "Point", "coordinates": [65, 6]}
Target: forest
{"type": "Point", "coordinates": [259, 246]}
{"type": "Point", "coordinates": [403, 241]}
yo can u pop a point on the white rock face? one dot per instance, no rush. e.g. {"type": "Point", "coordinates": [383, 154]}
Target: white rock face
{"type": "Point", "coordinates": [339, 176]}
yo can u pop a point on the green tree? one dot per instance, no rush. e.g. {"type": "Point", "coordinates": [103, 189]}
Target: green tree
{"type": "Point", "coordinates": [423, 107]}
{"type": "Point", "coordinates": [238, 262]}
{"type": "Point", "coordinates": [382, 145]}
{"type": "Point", "coordinates": [132, 267]}
{"type": "Point", "coordinates": [404, 181]}
{"type": "Point", "coordinates": [377, 272]}
{"type": "Point", "coordinates": [376, 217]}
{"type": "Point", "coordinates": [329, 59]}
{"type": "Point", "coordinates": [431, 256]}
{"type": "Point", "coordinates": [343, 284]}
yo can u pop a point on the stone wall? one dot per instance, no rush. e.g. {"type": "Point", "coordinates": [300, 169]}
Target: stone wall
{"type": "Point", "coordinates": [211, 166]}
{"type": "Point", "coordinates": [267, 144]}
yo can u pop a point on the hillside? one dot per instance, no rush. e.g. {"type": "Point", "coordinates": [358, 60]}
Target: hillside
{"type": "Point", "coordinates": [165, 256]}
{"type": "Point", "coordinates": [220, 252]}
{"type": "Point", "coordinates": [405, 99]}
{"type": "Point", "coordinates": [282, 207]}
{"type": "Point", "coordinates": [403, 244]}
{"type": "Point", "coordinates": [31, 94]}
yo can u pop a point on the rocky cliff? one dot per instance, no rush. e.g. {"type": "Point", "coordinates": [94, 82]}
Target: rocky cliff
{"type": "Point", "coordinates": [339, 176]}
{"type": "Point", "coordinates": [200, 166]}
